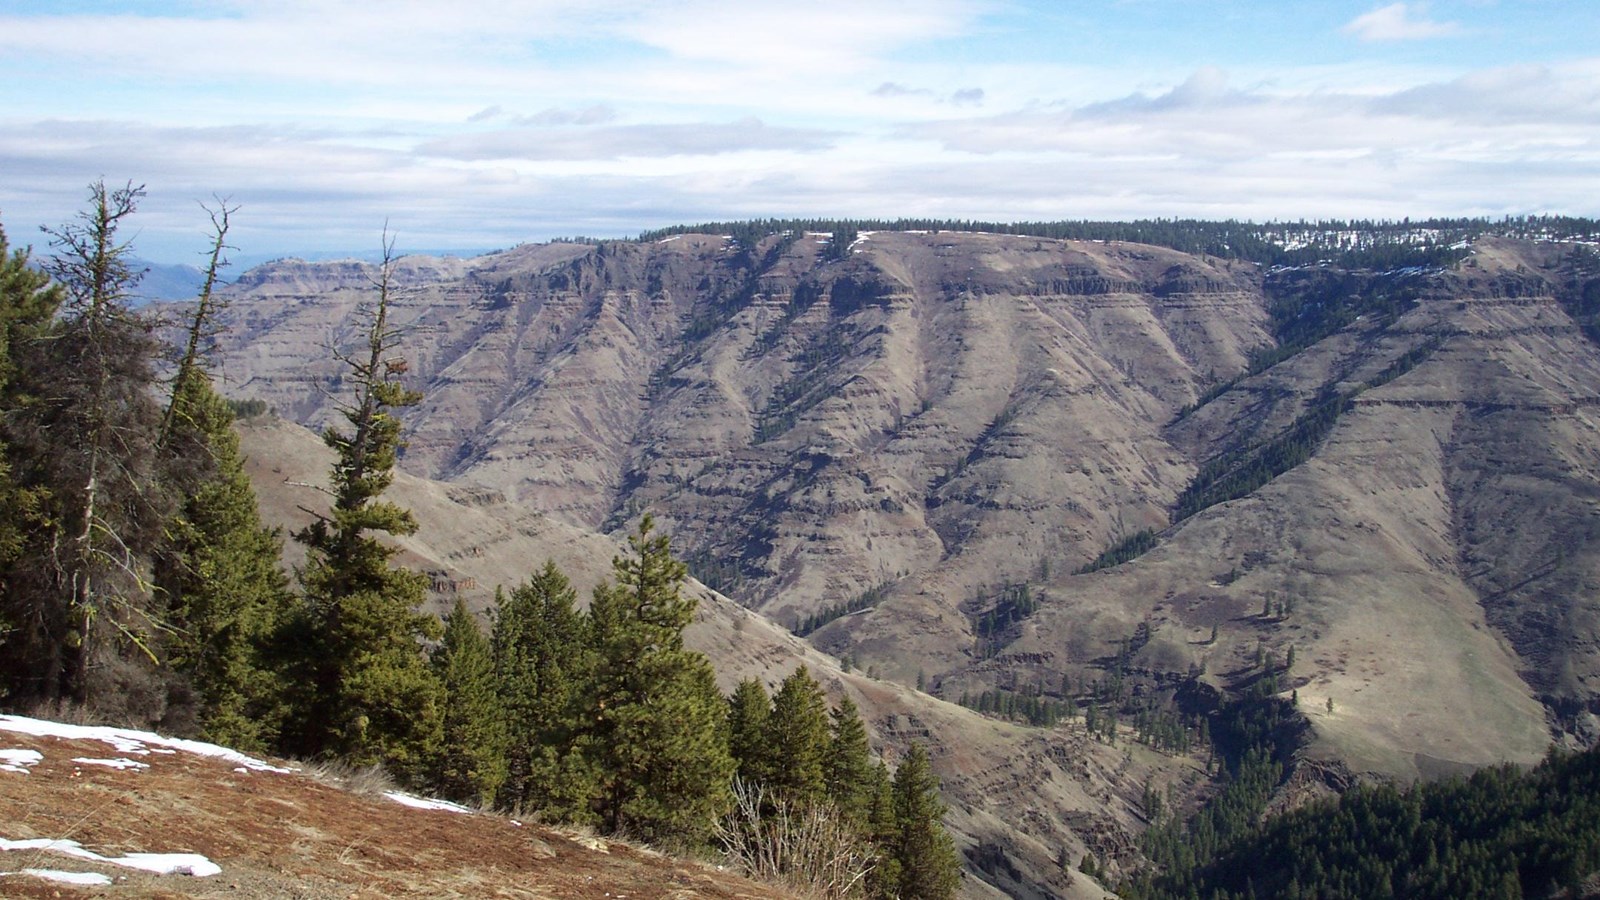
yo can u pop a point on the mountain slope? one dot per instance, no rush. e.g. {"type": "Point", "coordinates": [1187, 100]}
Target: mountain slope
{"type": "Point", "coordinates": [1079, 795]}
{"type": "Point", "coordinates": [1391, 474]}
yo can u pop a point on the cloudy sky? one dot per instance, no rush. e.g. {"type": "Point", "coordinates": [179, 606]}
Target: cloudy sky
{"type": "Point", "coordinates": [484, 123]}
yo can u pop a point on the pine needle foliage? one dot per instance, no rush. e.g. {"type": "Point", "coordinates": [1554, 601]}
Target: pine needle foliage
{"type": "Point", "coordinates": [544, 663]}
{"type": "Point", "coordinates": [797, 738]}
{"type": "Point", "coordinates": [471, 763]}
{"type": "Point", "coordinates": [368, 693]}
{"type": "Point", "coordinates": [658, 719]}
{"type": "Point", "coordinates": [225, 593]}
{"type": "Point", "coordinates": [749, 711]}
{"type": "Point", "coordinates": [929, 866]}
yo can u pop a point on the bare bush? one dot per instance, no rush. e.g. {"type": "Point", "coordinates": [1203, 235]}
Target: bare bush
{"type": "Point", "coordinates": [806, 847]}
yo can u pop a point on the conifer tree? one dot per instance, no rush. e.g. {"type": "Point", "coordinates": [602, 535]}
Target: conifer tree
{"type": "Point", "coordinates": [797, 738]}
{"type": "Point", "coordinates": [749, 711]}
{"type": "Point", "coordinates": [658, 720]}
{"type": "Point", "coordinates": [28, 302]}
{"type": "Point", "coordinates": [225, 593]}
{"type": "Point", "coordinates": [543, 666]}
{"type": "Point", "coordinates": [369, 694]}
{"type": "Point", "coordinates": [883, 881]}
{"type": "Point", "coordinates": [848, 765]}
{"type": "Point", "coordinates": [929, 867]}
{"type": "Point", "coordinates": [84, 444]}
{"type": "Point", "coordinates": [471, 763]}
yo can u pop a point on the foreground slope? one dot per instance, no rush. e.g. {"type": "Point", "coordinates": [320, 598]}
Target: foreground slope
{"type": "Point", "coordinates": [107, 812]}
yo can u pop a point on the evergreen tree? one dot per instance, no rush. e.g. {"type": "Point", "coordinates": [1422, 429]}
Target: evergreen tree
{"type": "Point", "coordinates": [84, 445]}
{"type": "Point", "coordinates": [657, 716]}
{"type": "Point", "coordinates": [368, 693]}
{"type": "Point", "coordinates": [544, 666]}
{"type": "Point", "coordinates": [797, 739]}
{"type": "Point", "coordinates": [471, 763]}
{"type": "Point", "coordinates": [930, 868]}
{"type": "Point", "coordinates": [749, 712]}
{"type": "Point", "coordinates": [883, 882]}
{"type": "Point", "coordinates": [226, 596]}
{"type": "Point", "coordinates": [28, 303]}
{"type": "Point", "coordinates": [848, 766]}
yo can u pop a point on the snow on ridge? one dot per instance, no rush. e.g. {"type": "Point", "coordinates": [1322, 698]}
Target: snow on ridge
{"type": "Point", "coordinates": [19, 760]}
{"type": "Point", "coordinates": [159, 863]}
{"type": "Point", "coordinates": [127, 740]}
{"type": "Point", "coordinates": [415, 802]}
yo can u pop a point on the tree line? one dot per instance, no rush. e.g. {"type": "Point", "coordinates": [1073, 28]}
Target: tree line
{"type": "Point", "coordinates": [138, 582]}
{"type": "Point", "coordinates": [1359, 244]}
{"type": "Point", "coordinates": [1503, 832]}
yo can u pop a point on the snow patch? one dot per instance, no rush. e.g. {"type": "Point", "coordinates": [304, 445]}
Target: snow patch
{"type": "Point", "coordinates": [19, 760]}
{"type": "Point", "coordinates": [424, 803]}
{"type": "Point", "coordinates": [119, 763]}
{"type": "Point", "coordinates": [159, 863]}
{"type": "Point", "coordinates": [137, 743]}
{"type": "Point", "coordinates": [56, 875]}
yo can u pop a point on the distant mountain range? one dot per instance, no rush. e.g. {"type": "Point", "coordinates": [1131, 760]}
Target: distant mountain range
{"type": "Point", "coordinates": [1047, 476]}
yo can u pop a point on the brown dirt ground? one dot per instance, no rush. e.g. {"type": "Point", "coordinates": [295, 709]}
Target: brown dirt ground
{"type": "Point", "coordinates": [293, 836]}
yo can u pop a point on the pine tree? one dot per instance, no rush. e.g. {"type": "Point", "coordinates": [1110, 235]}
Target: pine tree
{"type": "Point", "coordinates": [220, 574]}
{"type": "Point", "coordinates": [85, 445]}
{"type": "Point", "coordinates": [226, 595]}
{"type": "Point", "coordinates": [544, 666]}
{"type": "Point", "coordinates": [28, 303]}
{"type": "Point", "coordinates": [471, 764]}
{"type": "Point", "coordinates": [657, 716]}
{"type": "Point", "coordinates": [848, 766]}
{"type": "Point", "coordinates": [930, 869]}
{"type": "Point", "coordinates": [749, 711]}
{"type": "Point", "coordinates": [368, 693]}
{"type": "Point", "coordinates": [797, 739]}
{"type": "Point", "coordinates": [883, 882]}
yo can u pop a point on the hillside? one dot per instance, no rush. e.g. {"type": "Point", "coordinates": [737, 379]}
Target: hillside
{"type": "Point", "coordinates": [1388, 475]}
{"type": "Point", "coordinates": [1077, 795]}
{"type": "Point", "coordinates": [96, 811]}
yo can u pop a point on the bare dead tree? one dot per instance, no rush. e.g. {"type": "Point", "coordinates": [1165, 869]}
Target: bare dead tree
{"type": "Point", "coordinates": [202, 327]}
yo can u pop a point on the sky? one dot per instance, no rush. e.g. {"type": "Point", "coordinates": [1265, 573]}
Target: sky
{"type": "Point", "coordinates": [482, 124]}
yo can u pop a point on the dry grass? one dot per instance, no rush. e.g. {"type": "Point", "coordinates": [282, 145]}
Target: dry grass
{"type": "Point", "coordinates": [309, 835]}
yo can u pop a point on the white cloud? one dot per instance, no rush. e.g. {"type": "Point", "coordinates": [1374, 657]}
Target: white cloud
{"type": "Point", "coordinates": [496, 121]}
{"type": "Point", "coordinates": [626, 141]}
{"type": "Point", "coordinates": [815, 37]}
{"type": "Point", "coordinates": [1399, 22]}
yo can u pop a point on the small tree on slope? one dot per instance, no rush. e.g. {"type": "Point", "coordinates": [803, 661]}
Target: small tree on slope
{"type": "Point", "coordinates": [368, 693]}
{"type": "Point", "coordinates": [544, 663]}
{"type": "Point", "coordinates": [471, 763]}
{"type": "Point", "coordinates": [929, 867]}
{"type": "Point", "coordinates": [223, 586]}
{"type": "Point", "coordinates": [658, 719]}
